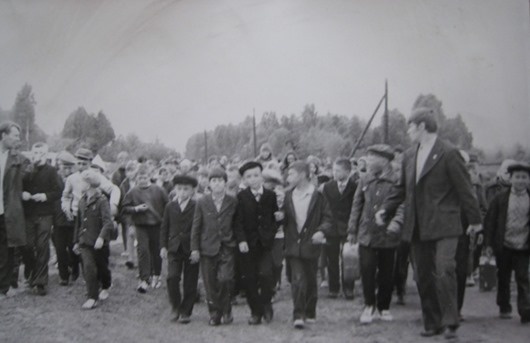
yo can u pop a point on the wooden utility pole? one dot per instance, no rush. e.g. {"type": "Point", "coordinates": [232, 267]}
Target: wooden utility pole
{"type": "Point", "coordinates": [254, 132]}
{"type": "Point", "coordinates": [385, 117]}
{"type": "Point", "coordinates": [358, 143]}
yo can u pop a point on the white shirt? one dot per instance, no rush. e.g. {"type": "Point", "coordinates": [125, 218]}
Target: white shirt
{"type": "Point", "coordinates": [423, 153]}
{"type": "Point", "coordinates": [3, 161]}
{"type": "Point", "coordinates": [301, 200]}
{"type": "Point", "coordinates": [183, 204]}
{"type": "Point", "coordinates": [258, 192]}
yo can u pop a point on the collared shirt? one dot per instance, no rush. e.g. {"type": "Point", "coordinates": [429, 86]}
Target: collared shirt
{"type": "Point", "coordinates": [183, 204]}
{"type": "Point", "coordinates": [301, 200]}
{"type": "Point", "coordinates": [3, 161]}
{"type": "Point", "coordinates": [218, 202]}
{"type": "Point", "coordinates": [257, 194]}
{"type": "Point", "coordinates": [423, 153]}
{"type": "Point", "coordinates": [342, 185]}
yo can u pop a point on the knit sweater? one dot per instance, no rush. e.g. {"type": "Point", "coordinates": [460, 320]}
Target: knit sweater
{"type": "Point", "coordinates": [517, 221]}
{"type": "Point", "coordinates": [154, 197]}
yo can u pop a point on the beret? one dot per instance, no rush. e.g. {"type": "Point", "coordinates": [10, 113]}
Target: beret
{"type": "Point", "coordinates": [249, 165]}
{"type": "Point", "coordinates": [185, 180]}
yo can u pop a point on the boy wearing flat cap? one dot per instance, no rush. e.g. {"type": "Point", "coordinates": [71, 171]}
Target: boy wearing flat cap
{"type": "Point", "coordinates": [256, 228]}
{"type": "Point", "coordinates": [213, 242]}
{"type": "Point", "coordinates": [175, 238]}
{"type": "Point", "coordinates": [507, 227]}
{"type": "Point", "coordinates": [377, 244]}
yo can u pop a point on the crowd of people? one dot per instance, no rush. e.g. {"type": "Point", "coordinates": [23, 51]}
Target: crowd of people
{"type": "Point", "coordinates": [239, 225]}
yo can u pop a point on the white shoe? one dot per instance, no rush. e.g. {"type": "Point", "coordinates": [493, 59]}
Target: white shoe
{"type": "Point", "coordinates": [89, 304]}
{"type": "Point", "coordinates": [142, 287]}
{"type": "Point", "coordinates": [125, 254]}
{"type": "Point", "coordinates": [156, 282]}
{"type": "Point", "coordinates": [368, 315]}
{"type": "Point", "coordinates": [310, 320]}
{"type": "Point", "coordinates": [104, 294]}
{"type": "Point", "coordinates": [470, 282]}
{"type": "Point", "coordinates": [386, 316]}
{"type": "Point", "coordinates": [299, 324]}
{"type": "Point", "coordinates": [324, 284]}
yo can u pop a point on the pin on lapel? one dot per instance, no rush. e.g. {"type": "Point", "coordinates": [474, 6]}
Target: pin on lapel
{"type": "Point", "coordinates": [434, 157]}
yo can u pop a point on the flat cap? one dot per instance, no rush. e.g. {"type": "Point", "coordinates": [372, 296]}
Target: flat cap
{"type": "Point", "coordinates": [519, 166]}
{"type": "Point", "coordinates": [66, 158]}
{"type": "Point", "coordinates": [383, 150]}
{"type": "Point", "coordinates": [84, 154]}
{"type": "Point", "coordinates": [250, 165]}
{"type": "Point", "coordinates": [185, 180]}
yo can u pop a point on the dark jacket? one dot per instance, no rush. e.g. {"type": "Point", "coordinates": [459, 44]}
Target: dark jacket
{"type": "Point", "coordinates": [495, 222]}
{"type": "Point", "coordinates": [211, 228]}
{"type": "Point", "coordinates": [434, 203]}
{"type": "Point", "coordinates": [256, 223]}
{"type": "Point", "coordinates": [118, 176]}
{"type": "Point", "coordinates": [370, 194]}
{"type": "Point", "coordinates": [16, 166]}
{"type": "Point", "coordinates": [176, 226]}
{"type": "Point", "coordinates": [340, 205]}
{"type": "Point", "coordinates": [154, 197]}
{"type": "Point", "coordinates": [94, 220]}
{"type": "Point", "coordinates": [318, 219]}
{"type": "Point", "coordinates": [59, 218]}
{"type": "Point", "coordinates": [42, 179]}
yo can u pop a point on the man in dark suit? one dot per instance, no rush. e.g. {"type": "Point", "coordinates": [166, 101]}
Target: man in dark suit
{"type": "Point", "coordinates": [339, 193]}
{"type": "Point", "coordinates": [12, 225]}
{"type": "Point", "coordinates": [213, 242]}
{"type": "Point", "coordinates": [307, 220]}
{"type": "Point", "coordinates": [175, 237]}
{"type": "Point", "coordinates": [256, 228]}
{"type": "Point", "coordinates": [435, 186]}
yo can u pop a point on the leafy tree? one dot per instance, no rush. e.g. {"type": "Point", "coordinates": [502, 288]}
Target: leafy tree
{"type": "Point", "coordinates": [23, 113]}
{"type": "Point", "coordinates": [93, 131]}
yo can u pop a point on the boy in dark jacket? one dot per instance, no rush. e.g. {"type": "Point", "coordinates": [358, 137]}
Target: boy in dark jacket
{"type": "Point", "coordinates": [507, 227]}
{"type": "Point", "coordinates": [377, 244]}
{"type": "Point", "coordinates": [339, 194]}
{"type": "Point", "coordinates": [93, 230]}
{"type": "Point", "coordinates": [213, 242]}
{"type": "Point", "coordinates": [256, 228]}
{"type": "Point", "coordinates": [146, 203]}
{"type": "Point", "coordinates": [175, 237]}
{"type": "Point", "coordinates": [307, 220]}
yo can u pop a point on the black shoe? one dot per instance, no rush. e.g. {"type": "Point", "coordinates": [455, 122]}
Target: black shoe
{"type": "Point", "coordinates": [184, 320]}
{"type": "Point", "coordinates": [254, 320]}
{"type": "Point", "coordinates": [74, 276]}
{"type": "Point", "coordinates": [214, 321]}
{"type": "Point", "coordinates": [40, 290]}
{"type": "Point", "coordinates": [450, 332]}
{"type": "Point", "coordinates": [268, 314]}
{"type": "Point", "coordinates": [400, 299]}
{"type": "Point", "coordinates": [175, 317]}
{"type": "Point", "coordinates": [431, 333]}
{"type": "Point", "coordinates": [525, 320]}
{"type": "Point", "coordinates": [129, 265]}
{"type": "Point", "coordinates": [348, 295]}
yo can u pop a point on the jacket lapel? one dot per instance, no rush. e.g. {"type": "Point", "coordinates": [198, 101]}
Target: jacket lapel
{"type": "Point", "coordinates": [433, 158]}
{"type": "Point", "coordinates": [311, 206]}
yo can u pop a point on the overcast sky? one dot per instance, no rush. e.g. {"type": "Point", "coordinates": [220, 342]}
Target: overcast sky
{"type": "Point", "coordinates": [168, 69]}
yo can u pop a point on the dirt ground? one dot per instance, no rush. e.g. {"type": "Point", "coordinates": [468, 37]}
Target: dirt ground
{"type": "Point", "coordinates": [128, 316]}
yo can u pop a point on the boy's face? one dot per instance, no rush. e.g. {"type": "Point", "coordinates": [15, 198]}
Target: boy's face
{"type": "Point", "coordinates": [520, 180]}
{"type": "Point", "coordinates": [66, 169]}
{"type": "Point", "coordinates": [130, 174]}
{"type": "Point", "coordinates": [340, 173]}
{"type": "Point", "coordinates": [82, 165]}
{"type": "Point", "coordinates": [217, 184]}
{"type": "Point", "coordinates": [253, 178]}
{"type": "Point", "coordinates": [294, 177]}
{"type": "Point", "coordinates": [183, 192]}
{"type": "Point", "coordinates": [203, 181]}
{"type": "Point", "coordinates": [143, 180]}
{"type": "Point", "coordinates": [376, 163]}
{"type": "Point", "coordinates": [415, 131]}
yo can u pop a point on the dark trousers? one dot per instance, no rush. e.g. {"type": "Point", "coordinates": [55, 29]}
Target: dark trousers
{"type": "Point", "coordinates": [149, 261]}
{"type": "Point", "coordinates": [7, 258]}
{"type": "Point", "coordinates": [179, 266]}
{"type": "Point", "coordinates": [377, 271]}
{"type": "Point", "coordinates": [401, 269]}
{"type": "Point", "coordinates": [217, 275]}
{"type": "Point", "coordinates": [277, 260]}
{"type": "Point", "coordinates": [304, 287]}
{"type": "Point", "coordinates": [462, 259]}
{"type": "Point", "coordinates": [436, 281]}
{"type": "Point", "coordinates": [96, 269]}
{"type": "Point", "coordinates": [257, 273]}
{"type": "Point", "coordinates": [63, 237]}
{"type": "Point", "coordinates": [509, 260]}
{"type": "Point", "coordinates": [36, 254]}
{"type": "Point", "coordinates": [333, 255]}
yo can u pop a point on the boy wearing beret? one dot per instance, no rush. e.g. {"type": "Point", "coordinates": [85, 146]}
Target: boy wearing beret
{"type": "Point", "coordinates": [256, 228]}
{"type": "Point", "coordinates": [175, 237]}
{"type": "Point", "coordinates": [93, 230]}
{"type": "Point", "coordinates": [377, 244]}
{"type": "Point", "coordinates": [507, 227]}
{"type": "Point", "coordinates": [213, 242]}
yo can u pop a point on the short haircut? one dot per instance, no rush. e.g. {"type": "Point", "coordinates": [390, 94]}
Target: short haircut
{"type": "Point", "coordinates": [6, 128]}
{"type": "Point", "coordinates": [217, 173]}
{"type": "Point", "coordinates": [426, 116]}
{"type": "Point", "coordinates": [42, 145]}
{"type": "Point", "coordinates": [300, 167]}
{"type": "Point", "coordinates": [344, 163]}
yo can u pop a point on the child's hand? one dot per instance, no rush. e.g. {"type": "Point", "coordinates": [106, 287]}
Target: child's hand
{"type": "Point", "coordinates": [352, 239]}
{"type": "Point", "coordinates": [318, 238]}
{"type": "Point", "coordinates": [163, 253]}
{"type": "Point", "coordinates": [380, 217]}
{"type": "Point", "coordinates": [26, 196]}
{"type": "Point", "coordinates": [140, 208]}
{"type": "Point", "coordinates": [243, 247]}
{"type": "Point", "coordinates": [195, 256]}
{"type": "Point", "coordinates": [393, 228]}
{"type": "Point", "coordinates": [99, 243]}
{"type": "Point", "coordinates": [279, 215]}
{"type": "Point", "coordinates": [75, 249]}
